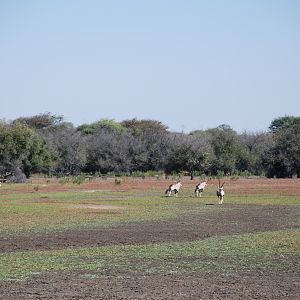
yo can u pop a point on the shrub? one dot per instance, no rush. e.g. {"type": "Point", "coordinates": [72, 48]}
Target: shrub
{"type": "Point", "coordinates": [17, 176]}
{"type": "Point", "coordinates": [220, 174]}
{"type": "Point", "coordinates": [79, 179]}
{"type": "Point", "coordinates": [64, 180]}
{"type": "Point", "coordinates": [235, 177]}
{"type": "Point", "coordinates": [117, 181]}
{"type": "Point", "coordinates": [245, 173]}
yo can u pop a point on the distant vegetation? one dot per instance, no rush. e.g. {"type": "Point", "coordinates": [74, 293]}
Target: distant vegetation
{"type": "Point", "coordinates": [47, 144]}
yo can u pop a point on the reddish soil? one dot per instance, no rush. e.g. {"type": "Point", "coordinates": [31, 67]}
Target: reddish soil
{"type": "Point", "coordinates": [121, 284]}
{"type": "Point", "coordinates": [290, 187]}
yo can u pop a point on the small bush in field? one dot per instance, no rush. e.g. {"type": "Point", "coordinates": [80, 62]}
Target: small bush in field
{"type": "Point", "coordinates": [220, 174]}
{"type": "Point", "coordinates": [245, 173]}
{"type": "Point", "coordinates": [79, 179]}
{"type": "Point", "coordinates": [137, 174]}
{"type": "Point", "coordinates": [63, 180]}
{"type": "Point", "coordinates": [117, 181]}
{"type": "Point", "coordinates": [235, 177]}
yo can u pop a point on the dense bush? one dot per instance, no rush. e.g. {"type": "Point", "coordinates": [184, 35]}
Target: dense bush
{"type": "Point", "coordinates": [47, 144]}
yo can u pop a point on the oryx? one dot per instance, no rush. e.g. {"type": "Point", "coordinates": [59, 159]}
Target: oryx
{"type": "Point", "coordinates": [174, 188]}
{"type": "Point", "coordinates": [220, 192]}
{"type": "Point", "coordinates": [200, 188]}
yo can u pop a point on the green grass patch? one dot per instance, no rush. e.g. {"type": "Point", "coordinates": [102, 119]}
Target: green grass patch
{"type": "Point", "coordinates": [263, 199]}
{"type": "Point", "coordinates": [276, 251]}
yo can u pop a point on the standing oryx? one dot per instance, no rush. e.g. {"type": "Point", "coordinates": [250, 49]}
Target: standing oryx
{"type": "Point", "coordinates": [220, 192]}
{"type": "Point", "coordinates": [175, 188]}
{"type": "Point", "coordinates": [200, 188]}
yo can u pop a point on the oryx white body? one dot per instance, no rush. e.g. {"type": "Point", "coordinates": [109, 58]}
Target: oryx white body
{"type": "Point", "coordinates": [200, 188]}
{"type": "Point", "coordinates": [174, 188]}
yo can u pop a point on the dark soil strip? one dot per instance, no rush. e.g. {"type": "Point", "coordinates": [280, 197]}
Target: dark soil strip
{"type": "Point", "coordinates": [78, 286]}
{"type": "Point", "coordinates": [231, 219]}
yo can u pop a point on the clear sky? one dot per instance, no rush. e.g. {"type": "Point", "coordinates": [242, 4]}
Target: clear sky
{"type": "Point", "coordinates": [191, 64]}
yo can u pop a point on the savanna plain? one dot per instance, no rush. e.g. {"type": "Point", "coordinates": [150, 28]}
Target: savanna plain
{"type": "Point", "coordinates": [124, 239]}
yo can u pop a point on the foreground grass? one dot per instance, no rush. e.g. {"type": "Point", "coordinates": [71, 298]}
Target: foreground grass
{"type": "Point", "coordinates": [275, 251]}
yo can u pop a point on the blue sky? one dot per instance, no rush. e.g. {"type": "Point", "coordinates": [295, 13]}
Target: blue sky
{"type": "Point", "coordinates": [189, 64]}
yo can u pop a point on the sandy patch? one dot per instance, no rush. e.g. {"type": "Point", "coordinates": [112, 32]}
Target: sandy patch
{"type": "Point", "coordinates": [96, 206]}
{"type": "Point", "coordinates": [95, 191]}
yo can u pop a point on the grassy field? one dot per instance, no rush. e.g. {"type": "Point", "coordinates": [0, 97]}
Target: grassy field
{"type": "Point", "coordinates": [26, 210]}
{"type": "Point", "coordinates": [37, 211]}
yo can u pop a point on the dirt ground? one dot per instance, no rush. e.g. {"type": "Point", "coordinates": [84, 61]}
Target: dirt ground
{"type": "Point", "coordinates": [235, 219]}
{"type": "Point", "coordinates": [113, 286]}
{"type": "Point", "coordinates": [289, 187]}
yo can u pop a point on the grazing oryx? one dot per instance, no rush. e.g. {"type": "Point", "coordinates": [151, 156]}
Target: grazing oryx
{"type": "Point", "coordinates": [175, 188]}
{"type": "Point", "coordinates": [221, 193]}
{"type": "Point", "coordinates": [200, 188]}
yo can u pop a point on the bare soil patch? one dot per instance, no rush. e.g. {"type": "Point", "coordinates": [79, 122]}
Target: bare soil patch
{"type": "Point", "coordinates": [78, 285]}
{"type": "Point", "coordinates": [242, 186]}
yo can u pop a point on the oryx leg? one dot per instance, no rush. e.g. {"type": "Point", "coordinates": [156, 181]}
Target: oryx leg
{"type": "Point", "coordinates": [221, 199]}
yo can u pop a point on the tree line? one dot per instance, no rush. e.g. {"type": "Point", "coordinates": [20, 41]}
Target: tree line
{"type": "Point", "coordinates": [47, 144]}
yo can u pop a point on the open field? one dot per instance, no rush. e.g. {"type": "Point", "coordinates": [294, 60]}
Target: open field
{"type": "Point", "coordinates": [101, 240]}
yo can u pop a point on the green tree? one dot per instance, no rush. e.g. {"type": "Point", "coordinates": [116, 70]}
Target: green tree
{"type": "Point", "coordinates": [39, 158]}
{"type": "Point", "coordinates": [110, 125]}
{"type": "Point", "coordinates": [107, 151]}
{"type": "Point", "coordinates": [283, 158]}
{"type": "Point", "coordinates": [253, 146]}
{"type": "Point", "coordinates": [154, 141]}
{"type": "Point", "coordinates": [189, 153]}
{"type": "Point", "coordinates": [15, 142]}
{"type": "Point", "coordinates": [21, 149]}
{"type": "Point", "coordinates": [40, 121]}
{"type": "Point", "coordinates": [283, 123]}
{"type": "Point", "coordinates": [140, 127]}
{"type": "Point", "coordinates": [68, 148]}
{"type": "Point", "coordinates": [226, 149]}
